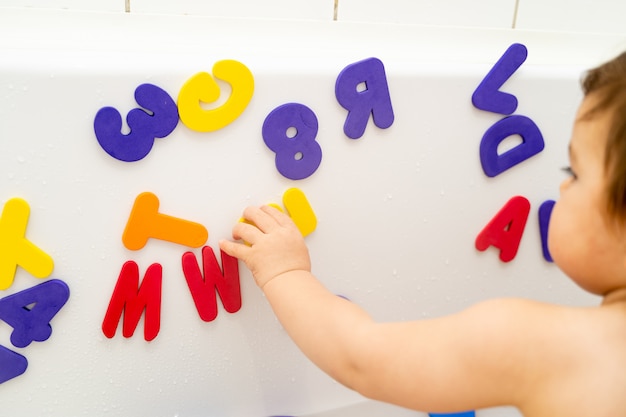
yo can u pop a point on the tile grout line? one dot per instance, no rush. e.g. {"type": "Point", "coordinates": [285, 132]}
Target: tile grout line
{"type": "Point", "coordinates": [514, 13]}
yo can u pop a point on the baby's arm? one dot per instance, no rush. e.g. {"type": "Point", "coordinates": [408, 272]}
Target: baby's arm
{"type": "Point", "coordinates": [484, 356]}
{"type": "Point", "coordinates": [278, 258]}
{"type": "Point", "coordinates": [315, 319]}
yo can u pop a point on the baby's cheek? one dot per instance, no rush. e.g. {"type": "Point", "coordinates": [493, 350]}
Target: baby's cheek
{"type": "Point", "coordinates": [564, 242]}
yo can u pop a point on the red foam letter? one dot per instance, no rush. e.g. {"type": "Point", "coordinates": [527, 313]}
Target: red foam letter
{"type": "Point", "coordinates": [505, 230]}
{"type": "Point", "coordinates": [131, 299]}
{"type": "Point", "coordinates": [203, 288]}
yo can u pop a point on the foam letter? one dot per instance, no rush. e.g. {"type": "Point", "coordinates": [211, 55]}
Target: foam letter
{"type": "Point", "coordinates": [297, 156]}
{"type": "Point", "coordinates": [145, 222]}
{"type": "Point", "coordinates": [33, 323]}
{"type": "Point", "coordinates": [545, 212]}
{"type": "Point", "coordinates": [158, 121]}
{"type": "Point", "coordinates": [300, 211]}
{"type": "Point", "coordinates": [131, 299]}
{"type": "Point", "coordinates": [11, 364]}
{"type": "Point", "coordinates": [203, 88]}
{"type": "Point", "coordinates": [374, 99]}
{"type": "Point", "coordinates": [15, 249]}
{"type": "Point", "coordinates": [488, 96]}
{"type": "Point", "coordinates": [494, 164]}
{"type": "Point", "coordinates": [505, 230]}
{"type": "Point", "coordinates": [203, 287]}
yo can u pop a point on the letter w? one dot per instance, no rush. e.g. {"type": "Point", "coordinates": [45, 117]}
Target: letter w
{"type": "Point", "coordinates": [203, 287]}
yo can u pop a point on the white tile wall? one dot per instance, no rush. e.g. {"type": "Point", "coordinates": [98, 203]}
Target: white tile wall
{"type": "Point", "coordinates": [279, 9]}
{"type": "Point", "coordinates": [481, 13]}
{"type": "Point", "coordinates": [90, 5]}
{"type": "Point", "coordinates": [602, 16]}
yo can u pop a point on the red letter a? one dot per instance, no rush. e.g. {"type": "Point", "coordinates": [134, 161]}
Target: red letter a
{"type": "Point", "coordinates": [133, 300]}
{"type": "Point", "coordinates": [505, 230]}
{"type": "Point", "coordinates": [203, 289]}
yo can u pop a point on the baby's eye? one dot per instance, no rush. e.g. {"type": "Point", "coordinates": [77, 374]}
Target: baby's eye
{"type": "Point", "coordinates": [569, 171]}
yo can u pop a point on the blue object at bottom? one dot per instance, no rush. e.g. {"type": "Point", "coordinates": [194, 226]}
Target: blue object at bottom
{"type": "Point", "coordinates": [463, 414]}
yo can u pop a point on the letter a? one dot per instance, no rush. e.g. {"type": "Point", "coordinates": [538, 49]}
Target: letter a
{"type": "Point", "coordinates": [130, 298]}
{"type": "Point", "coordinates": [505, 230]}
{"type": "Point", "coordinates": [203, 288]}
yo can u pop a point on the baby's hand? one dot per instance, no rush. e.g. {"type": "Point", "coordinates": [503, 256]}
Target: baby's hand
{"type": "Point", "coordinates": [274, 244]}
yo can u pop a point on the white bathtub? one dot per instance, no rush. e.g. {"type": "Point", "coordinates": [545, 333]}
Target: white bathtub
{"type": "Point", "coordinates": [398, 210]}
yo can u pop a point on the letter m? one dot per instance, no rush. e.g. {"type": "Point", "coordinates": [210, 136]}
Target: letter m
{"type": "Point", "coordinates": [131, 299]}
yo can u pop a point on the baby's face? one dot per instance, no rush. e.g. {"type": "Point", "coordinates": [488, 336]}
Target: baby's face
{"type": "Point", "coordinates": [582, 241]}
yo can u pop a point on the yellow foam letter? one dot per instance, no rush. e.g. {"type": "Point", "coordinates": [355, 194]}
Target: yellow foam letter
{"type": "Point", "coordinates": [203, 88]}
{"type": "Point", "coordinates": [15, 249]}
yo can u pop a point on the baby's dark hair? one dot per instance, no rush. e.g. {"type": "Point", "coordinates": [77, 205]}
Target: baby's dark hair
{"type": "Point", "coordinates": [608, 83]}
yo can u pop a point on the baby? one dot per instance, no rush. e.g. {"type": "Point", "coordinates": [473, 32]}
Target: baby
{"type": "Point", "coordinates": [547, 360]}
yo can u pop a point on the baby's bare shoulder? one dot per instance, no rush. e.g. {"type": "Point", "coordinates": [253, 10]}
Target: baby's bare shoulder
{"type": "Point", "coordinates": [584, 351]}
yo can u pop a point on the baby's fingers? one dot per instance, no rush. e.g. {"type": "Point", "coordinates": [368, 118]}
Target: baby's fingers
{"type": "Point", "coordinates": [246, 232]}
{"type": "Point", "coordinates": [234, 249]}
{"type": "Point", "coordinates": [259, 218]}
{"type": "Point", "coordinates": [278, 216]}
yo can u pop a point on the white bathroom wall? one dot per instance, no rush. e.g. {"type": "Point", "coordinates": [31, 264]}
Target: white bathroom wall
{"type": "Point", "coordinates": [398, 210]}
{"type": "Point", "coordinates": [588, 16]}
{"type": "Point", "coordinates": [88, 5]}
{"type": "Point", "coordinates": [476, 13]}
{"type": "Point", "coordinates": [276, 9]}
